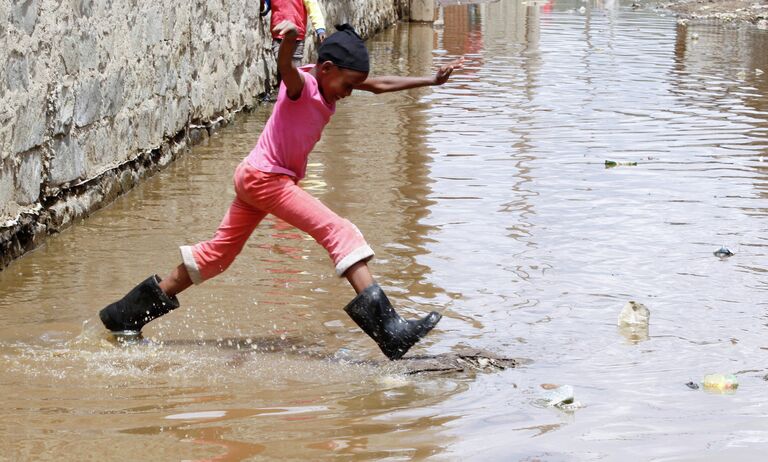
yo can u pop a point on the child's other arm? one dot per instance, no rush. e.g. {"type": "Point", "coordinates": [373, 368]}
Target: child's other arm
{"type": "Point", "coordinates": [389, 83]}
{"type": "Point", "coordinates": [294, 82]}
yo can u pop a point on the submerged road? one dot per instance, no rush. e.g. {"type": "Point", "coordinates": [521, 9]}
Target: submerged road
{"type": "Point", "coordinates": [488, 199]}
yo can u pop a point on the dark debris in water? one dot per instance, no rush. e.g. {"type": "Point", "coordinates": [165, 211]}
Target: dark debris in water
{"type": "Point", "coordinates": [723, 252]}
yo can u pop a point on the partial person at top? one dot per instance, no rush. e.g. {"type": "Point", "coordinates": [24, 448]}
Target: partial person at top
{"type": "Point", "coordinates": [297, 12]}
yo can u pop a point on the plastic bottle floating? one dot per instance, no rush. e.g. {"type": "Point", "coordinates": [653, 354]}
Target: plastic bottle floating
{"type": "Point", "coordinates": [634, 314]}
{"type": "Point", "coordinates": [721, 383]}
{"type": "Point", "coordinates": [560, 397]}
{"type": "Point", "coordinates": [723, 252]}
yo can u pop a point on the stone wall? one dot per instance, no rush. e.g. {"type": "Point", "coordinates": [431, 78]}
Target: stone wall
{"type": "Point", "coordinates": [97, 94]}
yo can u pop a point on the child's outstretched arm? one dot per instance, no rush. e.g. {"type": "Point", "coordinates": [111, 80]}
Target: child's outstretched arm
{"type": "Point", "coordinates": [389, 83]}
{"type": "Point", "coordinates": [294, 82]}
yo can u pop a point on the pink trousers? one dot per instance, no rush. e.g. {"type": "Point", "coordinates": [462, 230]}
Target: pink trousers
{"type": "Point", "coordinates": [260, 193]}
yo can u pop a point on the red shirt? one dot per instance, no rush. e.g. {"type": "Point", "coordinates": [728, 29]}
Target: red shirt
{"type": "Point", "coordinates": [291, 10]}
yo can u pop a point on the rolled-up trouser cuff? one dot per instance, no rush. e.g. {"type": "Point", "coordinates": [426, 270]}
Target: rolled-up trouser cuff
{"type": "Point", "coordinates": [188, 258]}
{"type": "Point", "coordinates": [359, 254]}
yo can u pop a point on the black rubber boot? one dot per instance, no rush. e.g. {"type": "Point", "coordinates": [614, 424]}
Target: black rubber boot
{"type": "Point", "coordinates": [142, 304]}
{"type": "Point", "coordinates": [373, 312]}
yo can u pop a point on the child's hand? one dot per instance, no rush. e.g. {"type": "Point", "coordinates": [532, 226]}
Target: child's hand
{"type": "Point", "coordinates": [286, 29]}
{"type": "Point", "coordinates": [446, 69]}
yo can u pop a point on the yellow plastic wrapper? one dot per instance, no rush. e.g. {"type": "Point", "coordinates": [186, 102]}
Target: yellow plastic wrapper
{"type": "Point", "coordinates": [721, 383]}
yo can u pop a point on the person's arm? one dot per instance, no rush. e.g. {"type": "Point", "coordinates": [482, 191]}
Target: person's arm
{"type": "Point", "coordinates": [294, 82]}
{"type": "Point", "coordinates": [316, 16]}
{"type": "Point", "coordinates": [390, 83]}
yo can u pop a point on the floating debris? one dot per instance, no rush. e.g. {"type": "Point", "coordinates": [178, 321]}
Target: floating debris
{"type": "Point", "coordinates": [633, 322]}
{"type": "Point", "coordinates": [613, 163]}
{"type": "Point", "coordinates": [634, 314]}
{"type": "Point", "coordinates": [561, 397]}
{"type": "Point", "coordinates": [721, 383]}
{"type": "Point", "coordinates": [723, 252]}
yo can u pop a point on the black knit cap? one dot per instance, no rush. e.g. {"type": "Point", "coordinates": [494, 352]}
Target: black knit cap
{"type": "Point", "coordinates": [345, 49]}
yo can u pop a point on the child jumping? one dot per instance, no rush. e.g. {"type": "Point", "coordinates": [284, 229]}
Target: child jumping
{"type": "Point", "coordinates": [266, 181]}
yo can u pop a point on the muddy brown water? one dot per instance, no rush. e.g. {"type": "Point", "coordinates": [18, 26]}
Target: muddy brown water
{"type": "Point", "coordinates": [487, 199]}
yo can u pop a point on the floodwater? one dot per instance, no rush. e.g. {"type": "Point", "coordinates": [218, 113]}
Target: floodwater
{"type": "Point", "coordinates": [487, 199]}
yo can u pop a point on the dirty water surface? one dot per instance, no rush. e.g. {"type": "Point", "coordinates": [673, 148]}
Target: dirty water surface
{"type": "Point", "coordinates": [488, 199]}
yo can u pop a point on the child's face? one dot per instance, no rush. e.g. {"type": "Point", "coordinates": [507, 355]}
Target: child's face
{"type": "Point", "coordinates": [336, 82]}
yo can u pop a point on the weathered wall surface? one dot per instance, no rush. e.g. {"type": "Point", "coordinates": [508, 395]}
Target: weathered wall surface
{"type": "Point", "coordinates": [98, 94]}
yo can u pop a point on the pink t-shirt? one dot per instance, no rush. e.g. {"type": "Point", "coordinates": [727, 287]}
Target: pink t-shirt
{"type": "Point", "coordinates": [293, 130]}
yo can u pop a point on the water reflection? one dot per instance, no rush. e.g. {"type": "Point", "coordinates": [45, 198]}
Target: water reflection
{"type": "Point", "coordinates": [390, 175]}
